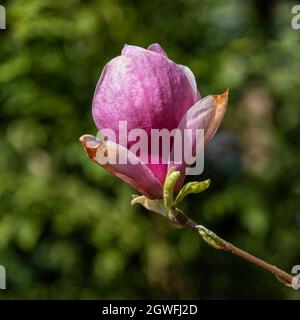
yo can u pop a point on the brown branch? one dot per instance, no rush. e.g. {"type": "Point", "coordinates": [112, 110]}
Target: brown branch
{"type": "Point", "coordinates": [179, 218]}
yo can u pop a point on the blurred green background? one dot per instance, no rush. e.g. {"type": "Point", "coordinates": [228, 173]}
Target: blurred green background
{"type": "Point", "coordinates": [67, 229]}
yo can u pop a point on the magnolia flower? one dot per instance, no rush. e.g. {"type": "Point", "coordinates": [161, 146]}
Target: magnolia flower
{"type": "Point", "coordinates": [149, 91]}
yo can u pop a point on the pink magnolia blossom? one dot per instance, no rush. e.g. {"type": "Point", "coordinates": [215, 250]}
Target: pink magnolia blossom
{"type": "Point", "coordinates": [149, 91]}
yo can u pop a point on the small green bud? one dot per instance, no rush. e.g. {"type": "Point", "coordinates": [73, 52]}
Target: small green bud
{"type": "Point", "coordinates": [192, 187]}
{"type": "Point", "coordinates": [169, 185]}
{"type": "Point", "coordinates": [210, 238]}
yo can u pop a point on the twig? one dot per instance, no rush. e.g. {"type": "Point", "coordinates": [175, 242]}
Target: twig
{"type": "Point", "coordinates": [179, 218]}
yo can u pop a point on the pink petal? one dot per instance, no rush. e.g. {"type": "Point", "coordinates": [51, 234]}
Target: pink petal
{"type": "Point", "coordinates": [191, 77]}
{"type": "Point", "coordinates": [139, 176]}
{"type": "Point", "coordinates": [221, 101]}
{"type": "Point", "coordinates": [144, 88]}
{"type": "Point", "coordinates": [157, 48]}
{"type": "Point", "coordinates": [206, 114]}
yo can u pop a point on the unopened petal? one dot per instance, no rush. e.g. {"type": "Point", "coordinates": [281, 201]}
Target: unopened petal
{"type": "Point", "coordinates": [221, 101]}
{"type": "Point", "coordinates": [134, 172]}
{"type": "Point", "coordinates": [207, 114]}
{"type": "Point", "coordinates": [144, 88]}
{"type": "Point", "coordinates": [155, 47]}
{"type": "Point", "coordinates": [191, 77]}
